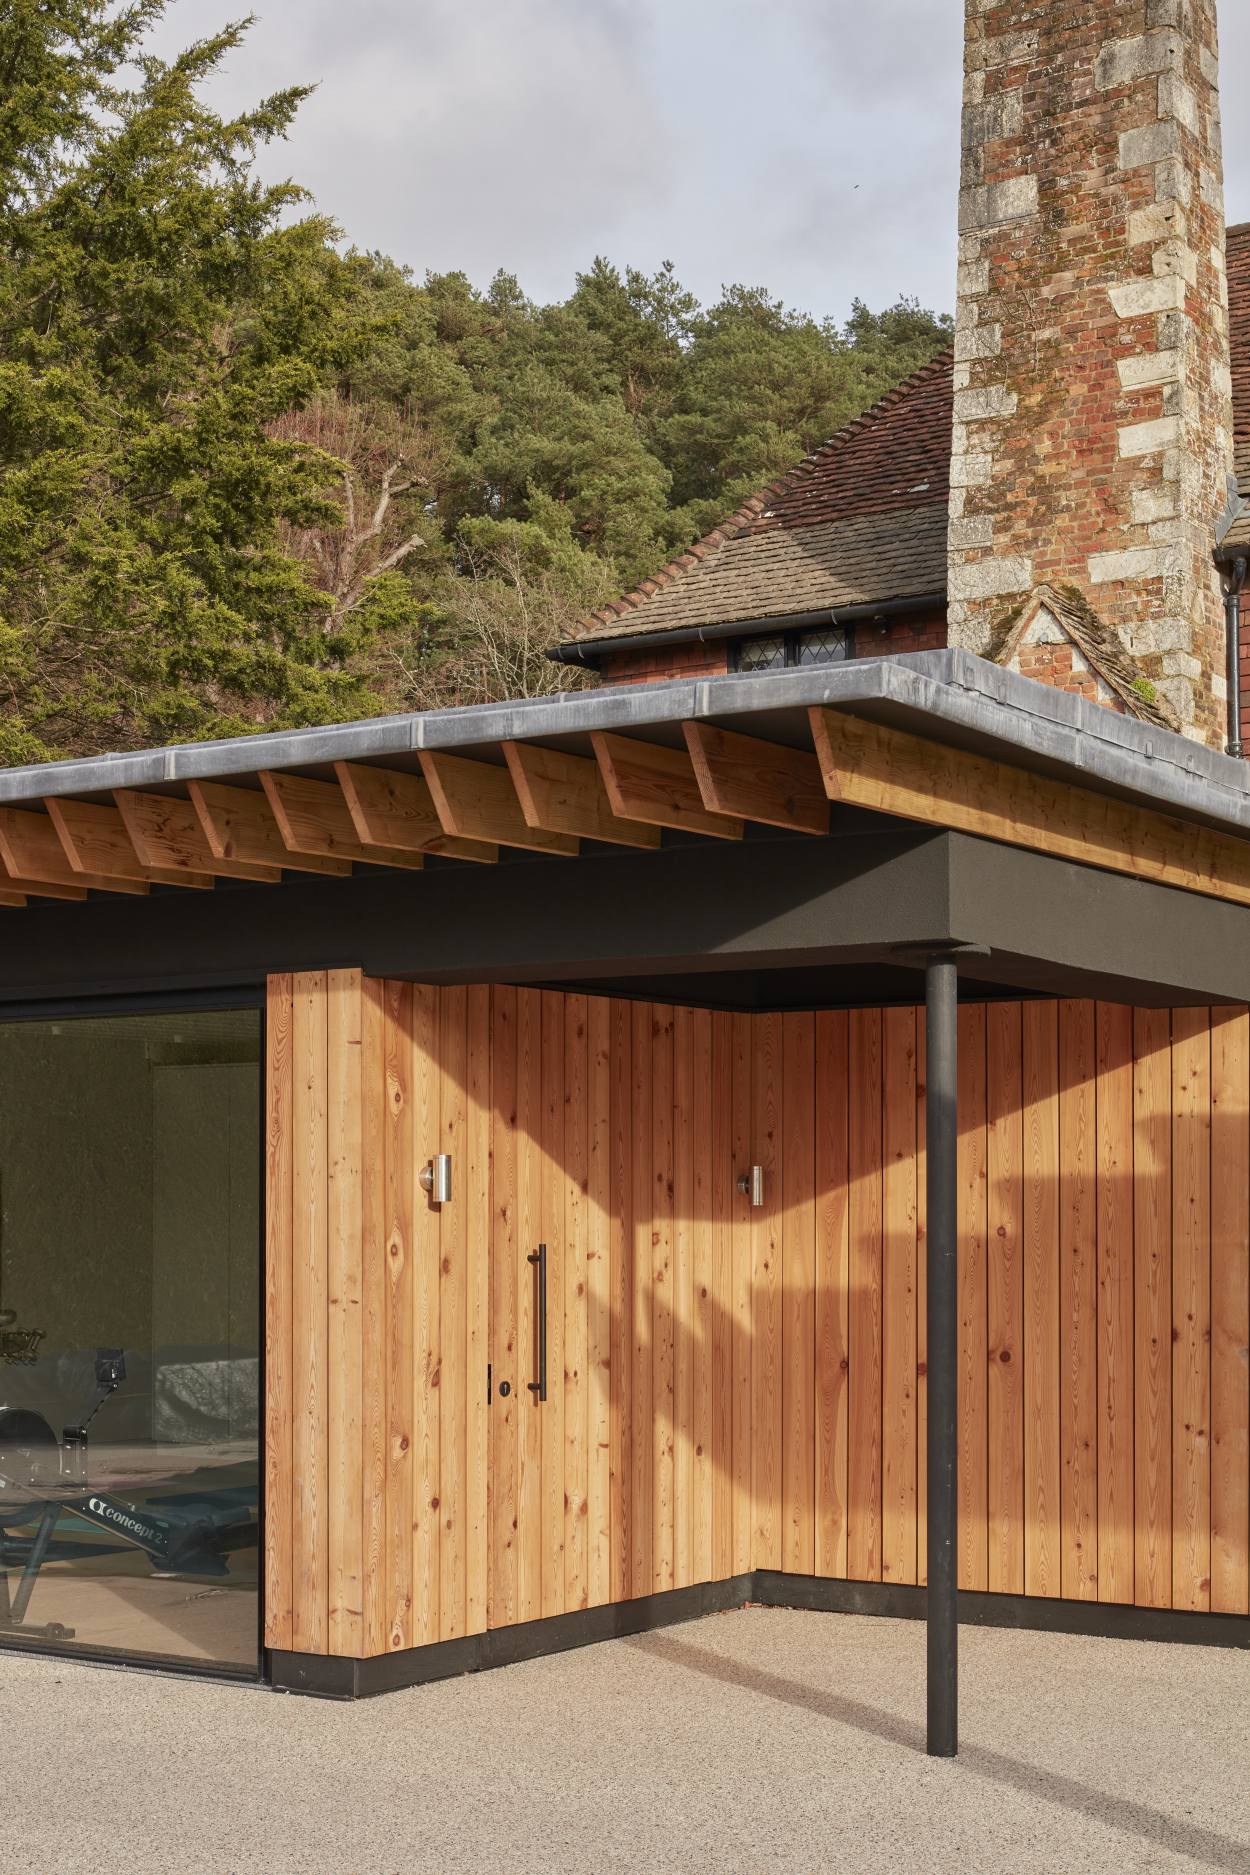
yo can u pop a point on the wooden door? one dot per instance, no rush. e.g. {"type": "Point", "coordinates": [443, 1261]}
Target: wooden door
{"type": "Point", "coordinates": [549, 1418]}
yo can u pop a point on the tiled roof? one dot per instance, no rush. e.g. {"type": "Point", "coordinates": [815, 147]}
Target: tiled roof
{"type": "Point", "coordinates": [775, 571]}
{"type": "Point", "coordinates": [862, 521]}
{"type": "Point", "coordinates": [1239, 335]}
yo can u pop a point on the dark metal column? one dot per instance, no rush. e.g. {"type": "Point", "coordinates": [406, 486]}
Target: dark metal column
{"type": "Point", "coordinates": [1235, 572]}
{"type": "Point", "coordinates": [942, 1140]}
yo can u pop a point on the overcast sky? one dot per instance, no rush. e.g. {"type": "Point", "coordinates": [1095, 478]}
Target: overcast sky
{"type": "Point", "coordinates": [810, 146]}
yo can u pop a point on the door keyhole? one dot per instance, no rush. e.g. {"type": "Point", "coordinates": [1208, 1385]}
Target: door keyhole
{"type": "Point", "coordinates": [505, 1388]}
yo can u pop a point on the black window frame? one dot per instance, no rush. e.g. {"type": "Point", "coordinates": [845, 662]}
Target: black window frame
{"type": "Point", "coordinates": [790, 642]}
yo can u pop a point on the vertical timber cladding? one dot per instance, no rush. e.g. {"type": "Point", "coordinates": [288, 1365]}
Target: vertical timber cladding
{"type": "Point", "coordinates": [730, 1388]}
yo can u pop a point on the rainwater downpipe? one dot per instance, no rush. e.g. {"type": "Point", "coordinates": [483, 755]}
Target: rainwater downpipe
{"type": "Point", "coordinates": [1234, 584]}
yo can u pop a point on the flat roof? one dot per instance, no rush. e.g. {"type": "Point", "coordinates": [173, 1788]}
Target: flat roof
{"type": "Point", "coordinates": [952, 697]}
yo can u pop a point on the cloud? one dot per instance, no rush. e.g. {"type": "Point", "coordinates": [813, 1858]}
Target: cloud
{"type": "Point", "coordinates": [810, 146]}
{"type": "Point", "coordinates": [506, 133]}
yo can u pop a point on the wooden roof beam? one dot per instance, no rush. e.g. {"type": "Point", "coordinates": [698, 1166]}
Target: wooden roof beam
{"type": "Point", "coordinates": [36, 863]}
{"type": "Point", "coordinates": [477, 801]}
{"type": "Point", "coordinates": [94, 838]}
{"type": "Point", "coordinates": [562, 793]}
{"type": "Point", "coordinates": [870, 765]}
{"type": "Point", "coordinates": [313, 819]}
{"type": "Point", "coordinates": [390, 807]}
{"type": "Point", "coordinates": [239, 824]}
{"type": "Point", "coordinates": [755, 780]}
{"type": "Point", "coordinates": [167, 837]}
{"type": "Point", "coordinates": [648, 782]}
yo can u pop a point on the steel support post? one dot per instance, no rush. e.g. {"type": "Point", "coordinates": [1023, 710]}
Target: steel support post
{"type": "Point", "coordinates": [942, 1303]}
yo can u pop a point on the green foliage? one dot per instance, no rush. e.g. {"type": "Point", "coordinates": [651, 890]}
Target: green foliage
{"type": "Point", "coordinates": [158, 312]}
{"type": "Point", "coordinates": [247, 479]}
{"type": "Point", "coordinates": [630, 411]}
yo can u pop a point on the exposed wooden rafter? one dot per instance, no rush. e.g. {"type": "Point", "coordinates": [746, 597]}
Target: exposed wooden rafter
{"type": "Point", "coordinates": [36, 863]}
{"type": "Point", "coordinates": [167, 835]}
{"type": "Point", "coordinates": [650, 782]}
{"type": "Point", "coordinates": [477, 801]}
{"type": "Point", "coordinates": [391, 808]}
{"type": "Point", "coordinates": [313, 819]}
{"type": "Point", "coordinates": [871, 765]}
{"type": "Point", "coordinates": [239, 824]}
{"type": "Point", "coordinates": [562, 793]}
{"type": "Point", "coordinates": [757, 780]}
{"type": "Point", "coordinates": [94, 838]}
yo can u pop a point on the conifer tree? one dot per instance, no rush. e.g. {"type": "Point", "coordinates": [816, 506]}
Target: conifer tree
{"type": "Point", "coordinates": [159, 308]}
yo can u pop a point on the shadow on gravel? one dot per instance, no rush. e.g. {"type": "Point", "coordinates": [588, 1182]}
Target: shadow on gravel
{"type": "Point", "coordinates": [1204, 1846]}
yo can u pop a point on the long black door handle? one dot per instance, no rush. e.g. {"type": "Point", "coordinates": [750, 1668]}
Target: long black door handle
{"type": "Point", "coordinates": [539, 1259]}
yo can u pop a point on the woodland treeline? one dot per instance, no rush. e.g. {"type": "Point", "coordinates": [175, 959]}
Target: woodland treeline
{"type": "Point", "coordinates": [250, 476]}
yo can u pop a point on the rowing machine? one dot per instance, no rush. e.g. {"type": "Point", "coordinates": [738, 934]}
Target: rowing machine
{"type": "Point", "coordinates": [43, 1477]}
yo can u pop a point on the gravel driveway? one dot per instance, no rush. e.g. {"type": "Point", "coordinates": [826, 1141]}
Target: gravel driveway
{"type": "Point", "coordinates": [758, 1740]}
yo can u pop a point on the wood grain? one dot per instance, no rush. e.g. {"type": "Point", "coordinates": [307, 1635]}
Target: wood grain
{"type": "Point", "coordinates": [1230, 1311]}
{"type": "Point", "coordinates": [239, 825]}
{"type": "Point", "coordinates": [832, 1325]}
{"type": "Point", "coordinates": [1043, 1468]}
{"type": "Point", "coordinates": [314, 822]}
{"type": "Point", "coordinates": [874, 765]}
{"type": "Point", "coordinates": [38, 862]}
{"type": "Point", "coordinates": [898, 1288]}
{"type": "Point", "coordinates": [734, 1388]}
{"type": "Point", "coordinates": [1152, 1308]}
{"type": "Point", "coordinates": [649, 782]}
{"type": "Point", "coordinates": [663, 1352]}
{"type": "Point", "coordinates": [1116, 1534]}
{"type": "Point", "coordinates": [390, 808]}
{"type": "Point", "coordinates": [1078, 1299]}
{"type": "Point", "coordinates": [973, 1303]}
{"type": "Point", "coordinates": [96, 843]}
{"type": "Point", "coordinates": [345, 1300]}
{"type": "Point", "coordinates": [798, 1325]}
{"type": "Point", "coordinates": [767, 1135]}
{"type": "Point", "coordinates": [753, 780]}
{"type": "Point", "coordinates": [1005, 1296]}
{"type": "Point", "coordinates": [310, 1456]}
{"type": "Point", "coordinates": [477, 801]}
{"type": "Point", "coordinates": [864, 1179]}
{"type": "Point", "coordinates": [565, 794]}
{"type": "Point", "coordinates": [1191, 1309]}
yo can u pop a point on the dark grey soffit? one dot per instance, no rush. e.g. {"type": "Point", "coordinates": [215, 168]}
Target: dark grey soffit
{"type": "Point", "coordinates": [947, 696]}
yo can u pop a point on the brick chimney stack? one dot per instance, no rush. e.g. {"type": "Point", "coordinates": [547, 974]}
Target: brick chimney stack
{"type": "Point", "coordinates": [1093, 420]}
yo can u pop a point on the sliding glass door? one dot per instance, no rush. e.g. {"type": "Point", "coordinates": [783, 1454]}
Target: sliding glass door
{"type": "Point", "coordinates": [130, 1377]}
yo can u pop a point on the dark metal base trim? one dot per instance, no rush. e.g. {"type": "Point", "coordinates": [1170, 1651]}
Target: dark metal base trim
{"type": "Point", "coordinates": [338, 1678]}
{"type": "Point", "coordinates": [1111, 1621]}
{"type": "Point", "coordinates": [502, 1647]}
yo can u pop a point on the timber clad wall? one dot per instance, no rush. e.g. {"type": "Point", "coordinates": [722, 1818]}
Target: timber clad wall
{"type": "Point", "coordinates": [735, 1389]}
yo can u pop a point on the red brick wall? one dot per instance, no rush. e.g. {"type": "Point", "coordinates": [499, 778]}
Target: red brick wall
{"type": "Point", "coordinates": [1053, 665]}
{"type": "Point", "coordinates": [659, 662]}
{"type": "Point", "coordinates": [926, 632]}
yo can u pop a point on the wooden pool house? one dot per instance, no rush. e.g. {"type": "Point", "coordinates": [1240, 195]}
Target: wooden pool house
{"type": "Point", "coordinates": [771, 1138]}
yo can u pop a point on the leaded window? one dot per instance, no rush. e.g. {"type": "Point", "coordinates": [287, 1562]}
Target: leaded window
{"type": "Point", "coordinates": [828, 644]}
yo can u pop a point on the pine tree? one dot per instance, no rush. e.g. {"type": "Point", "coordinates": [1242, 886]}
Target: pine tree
{"type": "Point", "coordinates": [158, 310]}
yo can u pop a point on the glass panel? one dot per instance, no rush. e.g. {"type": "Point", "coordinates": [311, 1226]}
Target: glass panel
{"type": "Point", "coordinates": [761, 654]}
{"type": "Point", "coordinates": [130, 1334]}
{"type": "Point", "coordinates": [824, 647]}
